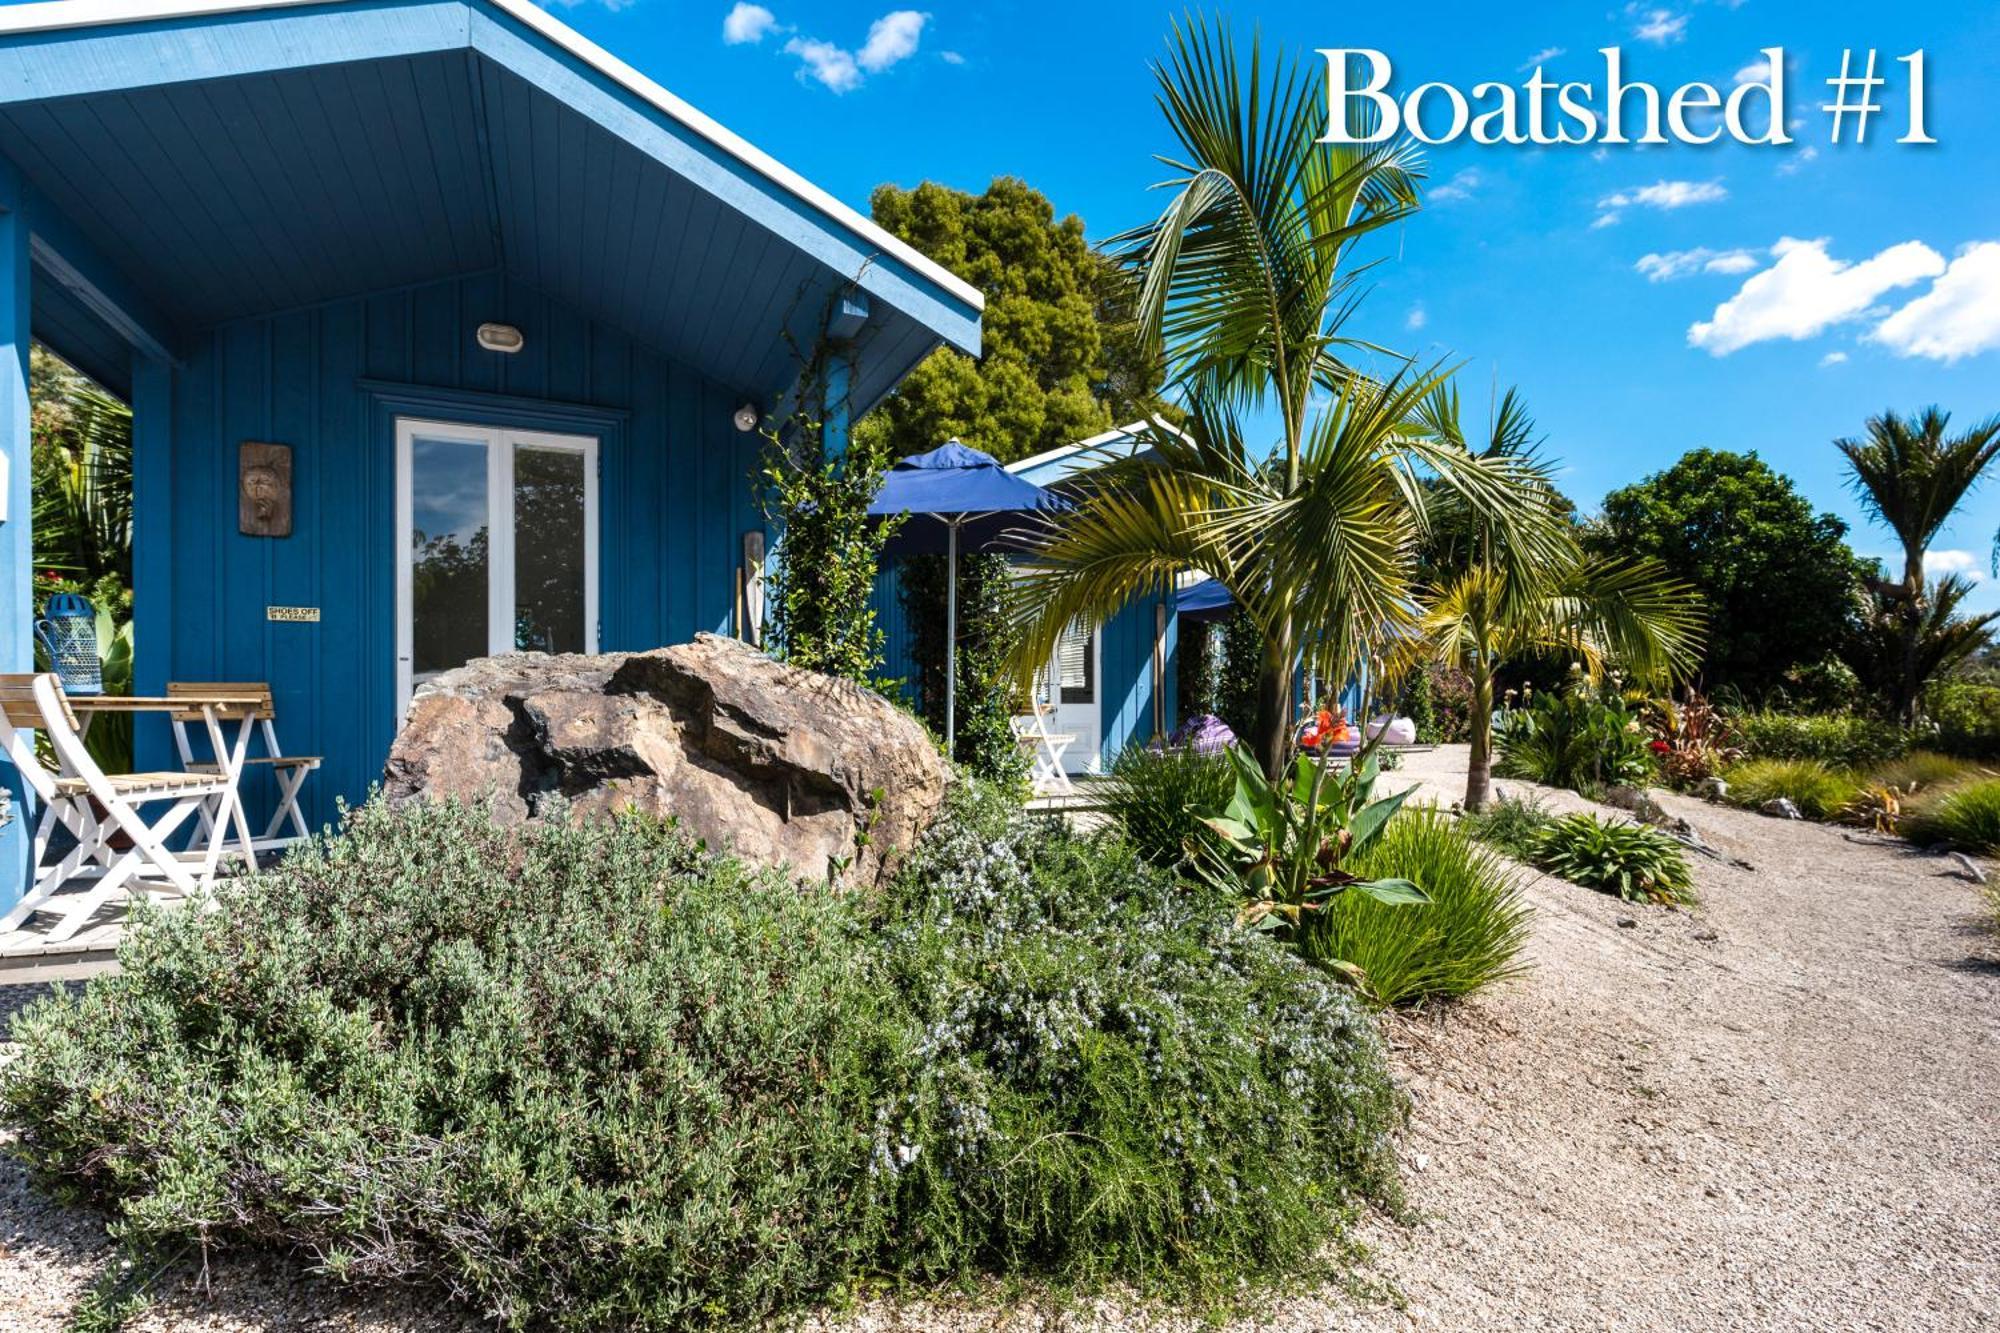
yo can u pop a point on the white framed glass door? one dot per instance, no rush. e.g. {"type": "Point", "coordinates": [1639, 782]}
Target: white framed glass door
{"type": "Point", "coordinates": [1074, 685]}
{"type": "Point", "coordinates": [496, 533]}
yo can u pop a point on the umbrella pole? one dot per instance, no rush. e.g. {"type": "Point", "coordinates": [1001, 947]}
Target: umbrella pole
{"type": "Point", "coordinates": [951, 640]}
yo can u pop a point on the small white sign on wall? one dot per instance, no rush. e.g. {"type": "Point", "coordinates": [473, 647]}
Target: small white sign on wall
{"type": "Point", "coordinates": [293, 615]}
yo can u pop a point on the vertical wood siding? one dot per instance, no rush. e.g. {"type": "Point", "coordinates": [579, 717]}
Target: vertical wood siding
{"type": "Point", "coordinates": [674, 500]}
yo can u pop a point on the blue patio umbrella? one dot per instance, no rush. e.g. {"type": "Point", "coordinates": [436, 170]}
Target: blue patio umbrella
{"type": "Point", "coordinates": [1204, 601]}
{"type": "Point", "coordinates": [957, 498]}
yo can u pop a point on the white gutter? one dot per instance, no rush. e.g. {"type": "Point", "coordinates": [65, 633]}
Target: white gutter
{"type": "Point", "coordinates": [54, 15]}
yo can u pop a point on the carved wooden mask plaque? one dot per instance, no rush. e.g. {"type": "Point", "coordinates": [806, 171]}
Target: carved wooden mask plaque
{"type": "Point", "coordinates": [264, 490]}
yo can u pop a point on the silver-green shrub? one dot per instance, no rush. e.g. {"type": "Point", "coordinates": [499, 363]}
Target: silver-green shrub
{"type": "Point", "coordinates": [597, 1077]}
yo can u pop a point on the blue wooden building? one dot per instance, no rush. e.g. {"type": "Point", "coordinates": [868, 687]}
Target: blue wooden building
{"type": "Point", "coordinates": [500, 299]}
{"type": "Point", "coordinates": [1111, 685]}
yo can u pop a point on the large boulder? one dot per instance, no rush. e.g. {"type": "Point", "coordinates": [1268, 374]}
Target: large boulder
{"type": "Point", "coordinates": [782, 766]}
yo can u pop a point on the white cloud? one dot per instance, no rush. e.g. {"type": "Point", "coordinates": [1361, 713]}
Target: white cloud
{"type": "Point", "coordinates": [832, 65]}
{"type": "Point", "coordinates": [951, 57]}
{"type": "Point", "coordinates": [1667, 194]}
{"type": "Point", "coordinates": [1939, 563]}
{"type": "Point", "coordinates": [892, 38]}
{"type": "Point", "coordinates": [1660, 194]}
{"type": "Point", "coordinates": [1461, 186]}
{"type": "Point", "coordinates": [747, 23]}
{"type": "Point", "coordinates": [1833, 359]}
{"type": "Point", "coordinates": [1542, 57]}
{"type": "Point", "coordinates": [1958, 317]}
{"type": "Point", "coordinates": [1658, 26]}
{"type": "Point", "coordinates": [1792, 165]}
{"type": "Point", "coordinates": [1685, 263]}
{"type": "Point", "coordinates": [1754, 72]}
{"type": "Point", "coordinates": [1808, 291]}
{"type": "Point", "coordinates": [1604, 220]}
{"type": "Point", "coordinates": [1417, 318]}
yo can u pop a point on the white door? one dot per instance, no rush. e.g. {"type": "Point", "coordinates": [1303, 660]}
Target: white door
{"type": "Point", "coordinates": [497, 531]}
{"type": "Point", "coordinates": [1074, 681]}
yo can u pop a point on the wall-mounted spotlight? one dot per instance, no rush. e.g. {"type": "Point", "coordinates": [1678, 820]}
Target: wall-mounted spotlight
{"type": "Point", "coordinates": [501, 338]}
{"type": "Point", "coordinates": [746, 417]}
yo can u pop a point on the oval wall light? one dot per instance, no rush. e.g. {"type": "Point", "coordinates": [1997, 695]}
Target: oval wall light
{"type": "Point", "coordinates": [501, 338]}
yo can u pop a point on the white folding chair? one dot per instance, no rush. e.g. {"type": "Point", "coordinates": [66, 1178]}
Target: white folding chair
{"type": "Point", "coordinates": [22, 719]}
{"type": "Point", "coordinates": [289, 770]}
{"type": "Point", "coordinates": [1045, 749]}
{"type": "Point", "coordinates": [104, 806]}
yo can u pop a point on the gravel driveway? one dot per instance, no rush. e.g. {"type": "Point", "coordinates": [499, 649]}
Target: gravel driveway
{"type": "Point", "coordinates": [1780, 1110]}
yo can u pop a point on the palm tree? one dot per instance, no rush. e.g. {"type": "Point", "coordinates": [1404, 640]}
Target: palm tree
{"type": "Point", "coordinates": [1243, 288]}
{"type": "Point", "coordinates": [1493, 610]}
{"type": "Point", "coordinates": [83, 476]}
{"type": "Point", "coordinates": [1899, 639]}
{"type": "Point", "coordinates": [1910, 475]}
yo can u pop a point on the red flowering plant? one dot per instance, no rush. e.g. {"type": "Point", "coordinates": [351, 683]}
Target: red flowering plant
{"type": "Point", "coordinates": [1691, 738]}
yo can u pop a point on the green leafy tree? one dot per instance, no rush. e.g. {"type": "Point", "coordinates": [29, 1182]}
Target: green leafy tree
{"type": "Point", "coordinates": [1060, 360]}
{"type": "Point", "coordinates": [1911, 474]}
{"type": "Point", "coordinates": [1776, 579]}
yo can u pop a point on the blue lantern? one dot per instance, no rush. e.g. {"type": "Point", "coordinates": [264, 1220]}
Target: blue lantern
{"type": "Point", "coordinates": [69, 635]}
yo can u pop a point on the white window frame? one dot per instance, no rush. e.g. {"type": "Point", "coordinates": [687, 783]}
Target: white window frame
{"type": "Point", "coordinates": [500, 442]}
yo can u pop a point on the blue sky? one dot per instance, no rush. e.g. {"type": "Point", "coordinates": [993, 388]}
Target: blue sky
{"type": "Point", "coordinates": [1508, 267]}
{"type": "Point", "coordinates": [1738, 297]}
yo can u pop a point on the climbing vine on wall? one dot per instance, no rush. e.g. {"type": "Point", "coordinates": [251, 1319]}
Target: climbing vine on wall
{"type": "Point", "coordinates": [815, 479]}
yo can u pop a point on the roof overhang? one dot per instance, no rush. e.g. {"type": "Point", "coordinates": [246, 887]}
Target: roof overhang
{"type": "Point", "coordinates": [474, 134]}
{"type": "Point", "coordinates": [1071, 461]}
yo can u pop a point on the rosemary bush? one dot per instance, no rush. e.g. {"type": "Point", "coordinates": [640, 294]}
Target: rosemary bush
{"type": "Point", "coordinates": [1119, 1080]}
{"type": "Point", "coordinates": [597, 1077]}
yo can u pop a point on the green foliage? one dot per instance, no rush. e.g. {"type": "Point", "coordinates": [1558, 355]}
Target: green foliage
{"type": "Point", "coordinates": [1904, 641]}
{"type": "Point", "coordinates": [1160, 798]}
{"type": "Point", "coordinates": [1967, 817]}
{"type": "Point", "coordinates": [1574, 740]}
{"type": "Point", "coordinates": [1776, 577]}
{"type": "Point", "coordinates": [1198, 668]}
{"type": "Point", "coordinates": [591, 1076]}
{"type": "Point", "coordinates": [1639, 864]}
{"type": "Point", "coordinates": [1910, 475]}
{"type": "Point", "coordinates": [82, 463]}
{"type": "Point", "coordinates": [1117, 1080]}
{"type": "Point", "coordinates": [1819, 791]}
{"type": "Point", "coordinates": [595, 1076]}
{"type": "Point", "coordinates": [1924, 770]}
{"type": "Point", "coordinates": [821, 614]}
{"type": "Point", "coordinates": [1417, 700]}
{"type": "Point", "coordinates": [1511, 824]}
{"type": "Point", "coordinates": [1059, 360]}
{"type": "Point", "coordinates": [1965, 719]}
{"type": "Point", "coordinates": [1470, 936]}
{"type": "Point", "coordinates": [1285, 845]}
{"type": "Point", "coordinates": [985, 707]}
{"type": "Point", "coordinates": [1241, 665]}
{"type": "Point", "coordinates": [1838, 740]}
